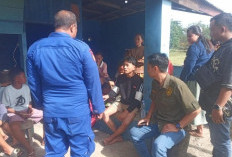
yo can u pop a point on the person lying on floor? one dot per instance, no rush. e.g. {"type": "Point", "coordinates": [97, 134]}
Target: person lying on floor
{"type": "Point", "coordinates": [129, 86]}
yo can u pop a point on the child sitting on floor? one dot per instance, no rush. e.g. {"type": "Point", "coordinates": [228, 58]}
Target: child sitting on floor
{"type": "Point", "coordinates": [5, 81]}
{"type": "Point", "coordinates": [17, 99]}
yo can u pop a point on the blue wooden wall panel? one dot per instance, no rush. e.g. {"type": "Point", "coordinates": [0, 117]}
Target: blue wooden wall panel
{"type": "Point", "coordinates": [113, 37]}
{"type": "Point", "coordinates": [11, 14]}
{"type": "Point", "coordinates": [43, 11]}
{"type": "Point", "coordinates": [11, 27]}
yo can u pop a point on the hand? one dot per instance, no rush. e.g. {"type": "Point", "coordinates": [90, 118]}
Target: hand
{"type": "Point", "coordinates": [105, 97]}
{"type": "Point", "coordinates": [30, 110]}
{"type": "Point", "coordinates": [122, 115]}
{"type": "Point", "coordinates": [145, 121]}
{"type": "Point", "coordinates": [24, 115]}
{"type": "Point", "coordinates": [217, 116]}
{"type": "Point", "coordinates": [169, 128]}
{"type": "Point", "coordinates": [100, 116]}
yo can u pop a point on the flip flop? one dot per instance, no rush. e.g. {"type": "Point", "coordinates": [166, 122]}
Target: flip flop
{"type": "Point", "coordinates": [16, 153]}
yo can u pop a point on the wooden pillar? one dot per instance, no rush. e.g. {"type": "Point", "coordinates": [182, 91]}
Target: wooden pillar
{"type": "Point", "coordinates": [157, 36]}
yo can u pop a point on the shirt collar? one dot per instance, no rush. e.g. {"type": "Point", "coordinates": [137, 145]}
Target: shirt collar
{"type": "Point", "coordinates": [225, 43]}
{"type": "Point", "coordinates": [166, 81]}
{"type": "Point", "coordinates": [59, 34]}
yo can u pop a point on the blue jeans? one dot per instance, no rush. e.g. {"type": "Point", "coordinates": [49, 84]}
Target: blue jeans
{"type": "Point", "coordinates": [61, 133]}
{"type": "Point", "coordinates": [220, 137]}
{"type": "Point", "coordinates": [161, 143]}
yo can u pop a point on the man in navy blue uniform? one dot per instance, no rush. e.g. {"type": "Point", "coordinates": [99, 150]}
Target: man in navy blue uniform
{"type": "Point", "coordinates": [63, 77]}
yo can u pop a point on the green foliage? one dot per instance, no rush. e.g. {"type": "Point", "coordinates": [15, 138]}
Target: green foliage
{"type": "Point", "coordinates": [176, 34]}
{"type": "Point", "coordinates": [178, 37]}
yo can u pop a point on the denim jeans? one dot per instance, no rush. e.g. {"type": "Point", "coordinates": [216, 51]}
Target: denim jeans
{"type": "Point", "coordinates": [220, 137]}
{"type": "Point", "coordinates": [161, 143]}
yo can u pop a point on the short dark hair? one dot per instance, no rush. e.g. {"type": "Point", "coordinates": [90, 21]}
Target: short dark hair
{"type": "Point", "coordinates": [223, 19]}
{"type": "Point", "coordinates": [160, 60]}
{"type": "Point", "coordinates": [15, 72]}
{"type": "Point", "coordinates": [64, 19]}
{"type": "Point", "coordinates": [130, 59]}
{"type": "Point", "coordinates": [99, 53]}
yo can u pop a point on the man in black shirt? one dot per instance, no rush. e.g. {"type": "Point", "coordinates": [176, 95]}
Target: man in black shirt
{"type": "Point", "coordinates": [217, 94]}
{"type": "Point", "coordinates": [129, 86]}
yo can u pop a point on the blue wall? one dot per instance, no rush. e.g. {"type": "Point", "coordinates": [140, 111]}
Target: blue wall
{"type": "Point", "coordinates": [113, 37]}
{"type": "Point", "coordinates": [93, 29]}
{"type": "Point", "coordinates": [39, 16]}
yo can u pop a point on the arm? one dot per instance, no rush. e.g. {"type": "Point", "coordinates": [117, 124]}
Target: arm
{"type": "Point", "coordinates": [189, 63]}
{"type": "Point", "coordinates": [103, 72]}
{"type": "Point", "coordinates": [149, 114]}
{"type": "Point", "coordinates": [136, 102]}
{"type": "Point", "coordinates": [114, 90]}
{"type": "Point", "coordinates": [183, 122]}
{"type": "Point", "coordinates": [189, 105]}
{"type": "Point", "coordinates": [34, 80]}
{"type": "Point", "coordinates": [92, 81]}
{"type": "Point", "coordinates": [226, 87]}
{"type": "Point", "coordinates": [224, 95]}
{"type": "Point", "coordinates": [11, 110]}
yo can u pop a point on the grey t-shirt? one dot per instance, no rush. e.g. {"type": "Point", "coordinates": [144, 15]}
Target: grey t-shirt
{"type": "Point", "coordinates": [18, 99]}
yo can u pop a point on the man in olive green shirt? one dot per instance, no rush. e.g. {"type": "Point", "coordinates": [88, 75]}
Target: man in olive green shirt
{"type": "Point", "coordinates": [173, 106]}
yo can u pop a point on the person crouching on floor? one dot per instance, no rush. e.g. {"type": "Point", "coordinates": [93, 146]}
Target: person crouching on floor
{"type": "Point", "coordinates": [129, 86]}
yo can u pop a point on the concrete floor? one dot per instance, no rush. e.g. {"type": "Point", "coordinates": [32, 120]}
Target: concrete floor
{"type": "Point", "coordinates": [198, 147]}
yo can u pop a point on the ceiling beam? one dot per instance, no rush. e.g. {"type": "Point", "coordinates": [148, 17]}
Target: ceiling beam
{"type": "Point", "coordinates": [199, 5]}
{"type": "Point", "coordinates": [126, 7]}
{"type": "Point", "coordinates": [91, 11]}
{"type": "Point", "coordinates": [115, 17]}
{"type": "Point", "coordinates": [108, 4]}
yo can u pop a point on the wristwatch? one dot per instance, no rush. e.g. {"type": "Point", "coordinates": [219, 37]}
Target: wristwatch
{"type": "Point", "coordinates": [178, 126]}
{"type": "Point", "coordinates": [217, 107]}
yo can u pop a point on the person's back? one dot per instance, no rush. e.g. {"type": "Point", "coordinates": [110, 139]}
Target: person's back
{"type": "Point", "coordinates": [63, 78]}
{"type": "Point", "coordinates": [59, 60]}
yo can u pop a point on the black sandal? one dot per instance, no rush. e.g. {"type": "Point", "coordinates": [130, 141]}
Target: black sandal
{"type": "Point", "coordinates": [16, 153]}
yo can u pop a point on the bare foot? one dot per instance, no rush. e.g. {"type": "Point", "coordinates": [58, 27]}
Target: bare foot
{"type": "Point", "coordinates": [117, 139]}
{"type": "Point", "coordinates": [195, 133]}
{"type": "Point", "coordinates": [106, 141]}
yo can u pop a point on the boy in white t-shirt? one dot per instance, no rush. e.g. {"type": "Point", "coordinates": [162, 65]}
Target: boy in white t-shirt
{"type": "Point", "coordinates": [17, 99]}
{"type": "Point", "coordinates": [7, 149]}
